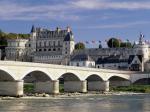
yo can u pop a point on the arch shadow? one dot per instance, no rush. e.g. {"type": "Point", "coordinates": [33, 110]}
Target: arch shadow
{"type": "Point", "coordinates": [94, 77]}
{"type": "Point", "coordinates": [69, 77]}
{"type": "Point", "coordinates": [36, 75]}
{"type": "Point", "coordinates": [6, 76]}
{"type": "Point", "coordinates": [116, 81]}
{"type": "Point", "coordinates": [143, 81]}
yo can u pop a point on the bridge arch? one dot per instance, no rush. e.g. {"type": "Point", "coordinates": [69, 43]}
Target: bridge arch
{"type": "Point", "coordinates": [6, 75]}
{"type": "Point", "coordinates": [116, 81]}
{"type": "Point", "coordinates": [127, 77]}
{"type": "Point", "coordinates": [38, 75]}
{"type": "Point", "coordinates": [69, 76]}
{"type": "Point", "coordinates": [94, 77]}
{"type": "Point", "coordinates": [142, 81]}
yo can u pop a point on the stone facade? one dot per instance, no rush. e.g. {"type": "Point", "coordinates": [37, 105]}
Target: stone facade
{"type": "Point", "coordinates": [51, 46]}
{"type": "Point", "coordinates": [43, 46]}
{"type": "Point", "coordinates": [16, 49]}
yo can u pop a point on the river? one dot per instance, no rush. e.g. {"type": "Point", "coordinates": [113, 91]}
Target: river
{"type": "Point", "coordinates": [97, 103]}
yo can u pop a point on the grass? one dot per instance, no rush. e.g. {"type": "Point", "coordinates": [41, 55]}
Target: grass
{"type": "Point", "coordinates": [28, 88]}
{"type": "Point", "coordinates": [61, 88]}
{"type": "Point", "coordinates": [133, 88]}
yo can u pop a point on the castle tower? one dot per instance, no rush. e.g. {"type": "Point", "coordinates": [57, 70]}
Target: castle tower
{"type": "Point", "coordinates": [142, 49]}
{"type": "Point", "coordinates": [32, 43]}
{"type": "Point", "coordinates": [68, 45]}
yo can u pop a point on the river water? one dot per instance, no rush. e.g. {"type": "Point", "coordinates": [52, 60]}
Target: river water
{"type": "Point", "coordinates": [97, 103]}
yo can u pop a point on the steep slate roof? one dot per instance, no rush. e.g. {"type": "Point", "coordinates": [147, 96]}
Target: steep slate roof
{"type": "Point", "coordinates": [69, 37]}
{"type": "Point", "coordinates": [131, 57]}
{"type": "Point", "coordinates": [110, 59]}
{"type": "Point", "coordinates": [33, 29]}
{"type": "Point", "coordinates": [82, 57]}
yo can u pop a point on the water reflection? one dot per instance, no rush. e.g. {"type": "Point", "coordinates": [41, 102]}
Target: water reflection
{"type": "Point", "coordinates": [136, 103]}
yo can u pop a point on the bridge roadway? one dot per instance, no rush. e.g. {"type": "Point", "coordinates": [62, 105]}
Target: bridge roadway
{"type": "Point", "coordinates": [46, 78]}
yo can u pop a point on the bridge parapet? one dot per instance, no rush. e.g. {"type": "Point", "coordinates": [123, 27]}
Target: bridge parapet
{"type": "Point", "coordinates": [42, 65]}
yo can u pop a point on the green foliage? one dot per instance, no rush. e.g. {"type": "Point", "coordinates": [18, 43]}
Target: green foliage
{"type": "Point", "coordinates": [126, 44]}
{"type": "Point", "coordinates": [133, 88]}
{"type": "Point", "coordinates": [28, 88]}
{"type": "Point", "coordinates": [61, 88]}
{"type": "Point", "coordinates": [79, 46]}
{"type": "Point", "coordinates": [4, 36]}
{"type": "Point", "coordinates": [113, 43]}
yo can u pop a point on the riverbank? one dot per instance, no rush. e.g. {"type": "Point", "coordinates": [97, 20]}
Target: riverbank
{"type": "Point", "coordinates": [132, 88]}
{"type": "Point", "coordinates": [70, 95]}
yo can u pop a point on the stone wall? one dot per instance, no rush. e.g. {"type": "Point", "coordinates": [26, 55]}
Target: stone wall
{"type": "Point", "coordinates": [11, 88]}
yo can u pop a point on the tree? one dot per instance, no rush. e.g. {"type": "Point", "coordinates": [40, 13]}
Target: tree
{"type": "Point", "coordinates": [113, 43]}
{"type": "Point", "coordinates": [126, 44]}
{"type": "Point", "coordinates": [80, 45]}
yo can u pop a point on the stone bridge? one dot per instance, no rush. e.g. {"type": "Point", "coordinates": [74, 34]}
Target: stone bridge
{"type": "Point", "coordinates": [46, 78]}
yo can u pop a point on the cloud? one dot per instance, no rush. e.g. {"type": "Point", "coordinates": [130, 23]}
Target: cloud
{"type": "Point", "coordinates": [67, 10]}
{"type": "Point", "coordinates": [15, 11]}
{"type": "Point", "coordinates": [110, 4]}
{"type": "Point", "coordinates": [117, 25]}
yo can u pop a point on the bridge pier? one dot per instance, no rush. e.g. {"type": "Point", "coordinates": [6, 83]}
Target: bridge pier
{"type": "Point", "coordinates": [98, 85]}
{"type": "Point", "coordinates": [11, 88]}
{"type": "Point", "coordinates": [75, 86]}
{"type": "Point", "coordinates": [51, 87]}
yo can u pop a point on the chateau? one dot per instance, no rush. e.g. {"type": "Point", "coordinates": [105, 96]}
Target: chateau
{"type": "Point", "coordinates": [43, 46]}
{"type": "Point", "coordinates": [57, 47]}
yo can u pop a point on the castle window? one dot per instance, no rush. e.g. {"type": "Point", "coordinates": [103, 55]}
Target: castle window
{"type": "Point", "coordinates": [44, 49]}
{"type": "Point", "coordinates": [77, 64]}
{"type": "Point", "coordinates": [66, 52]}
{"type": "Point", "coordinates": [45, 44]}
{"type": "Point", "coordinates": [40, 49]}
{"type": "Point", "coordinates": [49, 49]}
{"type": "Point", "coordinates": [49, 43]}
{"type": "Point", "coordinates": [40, 44]}
{"type": "Point", "coordinates": [58, 49]}
{"type": "Point", "coordinates": [29, 45]}
{"type": "Point", "coordinates": [54, 49]}
{"type": "Point", "coordinates": [58, 43]}
{"type": "Point", "coordinates": [54, 43]}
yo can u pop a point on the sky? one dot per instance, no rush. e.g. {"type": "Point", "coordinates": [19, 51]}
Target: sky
{"type": "Point", "coordinates": [96, 20]}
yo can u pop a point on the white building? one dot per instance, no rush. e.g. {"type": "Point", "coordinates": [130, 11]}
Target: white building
{"type": "Point", "coordinates": [16, 49]}
{"type": "Point", "coordinates": [82, 61]}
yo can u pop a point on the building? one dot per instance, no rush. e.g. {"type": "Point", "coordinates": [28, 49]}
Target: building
{"type": "Point", "coordinates": [16, 49]}
{"type": "Point", "coordinates": [57, 47]}
{"type": "Point", "coordinates": [112, 62]}
{"type": "Point", "coordinates": [135, 62]}
{"type": "Point", "coordinates": [136, 58]}
{"type": "Point", "coordinates": [82, 60]}
{"type": "Point", "coordinates": [53, 47]}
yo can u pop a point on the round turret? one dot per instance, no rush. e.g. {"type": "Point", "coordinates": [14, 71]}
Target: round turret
{"type": "Point", "coordinates": [142, 48]}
